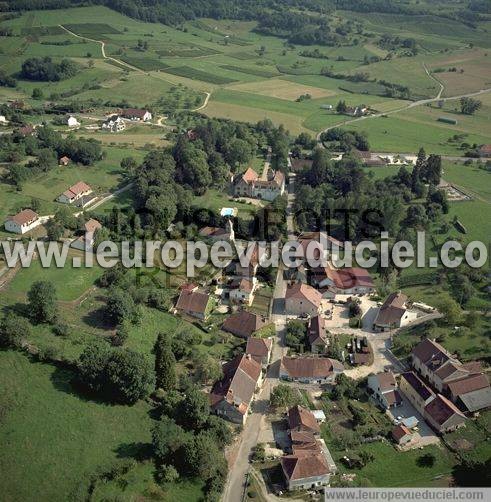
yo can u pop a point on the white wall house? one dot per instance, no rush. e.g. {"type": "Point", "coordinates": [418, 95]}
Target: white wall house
{"type": "Point", "coordinates": [71, 121]}
{"type": "Point", "coordinates": [75, 193]}
{"type": "Point", "coordinates": [22, 222]}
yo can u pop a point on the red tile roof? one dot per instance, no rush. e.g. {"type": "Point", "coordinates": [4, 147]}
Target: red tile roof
{"type": "Point", "coordinates": [193, 301]}
{"type": "Point", "coordinates": [304, 465]}
{"type": "Point", "coordinates": [317, 330]}
{"type": "Point", "coordinates": [92, 225]}
{"type": "Point", "coordinates": [441, 409]}
{"type": "Point", "coordinates": [250, 175]}
{"type": "Point", "coordinates": [77, 189]}
{"type": "Point", "coordinates": [133, 112]}
{"type": "Point", "coordinates": [240, 377]}
{"type": "Point", "coordinates": [399, 431]}
{"type": "Point", "coordinates": [418, 385]}
{"type": "Point", "coordinates": [310, 367]}
{"type": "Point", "coordinates": [243, 323]}
{"type": "Point", "coordinates": [258, 347]}
{"type": "Point", "coordinates": [24, 217]}
{"type": "Point", "coordinates": [468, 384]}
{"type": "Point", "coordinates": [302, 419]}
{"type": "Point", "coordinates": [392, 310]}
{"type": "Point", "coordinates": [346, 278]}
{"type": "Point", "coordinates": [305, 292]}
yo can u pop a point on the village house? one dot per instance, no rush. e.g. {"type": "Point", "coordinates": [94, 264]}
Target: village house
{"type": "Point", "coordinates": [22, 222]}
{"type": "Point", "coordinates": [194, 303]}
{"type": "Point", "coordinates": [437, 366]}
{"type": "Point", "coordinates": [345, 281]}
{"type": "Point", "coordinates": [316, 245]}
{"type": "Point", "coordinates": [385, 389]}
{"type": "Point", "coordinates": [243, 324]}
{"type": "Point", "coordinates": [136, 114]}
{"type": "Point", "coordinates": [64, 161]}
{"type": "Point", "coordinates": [75, 193]}
{"type": "Point", "coordinates": [485, 151]}
{"type": "Point", "coordinates": [415, 390]}
{"type": "Point", "coordinates": [401, 435]}
{"type": "Point", "coordinates": [27, 130]}
{"type": "Point", "coordinates": [317, 335]}
{"type": "Point", "coordinates": [232, 396]}
{"type": "Point", "coordinates": [71, 121]}
{"type": "Point", "coordinates": [471, 393]}
{"type": "Point", "coordinates": [3, 120]}
{"type": "Point", "coordinates": [306, 470]}
{"type": "Point", "coordinates": [218, 234]}
{"type": "Point", "coordinates": [443, 416]}
{"type": "Point", "coordinates": [368, 159]}
{"type": "Point", "coordinates": [86, 241]}
{"type": "Point", "coordinates": [302, 299]}
{"type": "Point", "coordinates": [301, 419]}
{"type": "Point", "coordinates": [393, 313]}
{"type": "Point", "coordinates": [249, 184]}
{"type": "Point", "coordinates": [250, 266]}
{"type": "Point", "coordinates": [310, 369]}
{"type": "Point", "coordinates": [242, 290]}
{"type": "Point", "coordinates": [114, 123]}
{"type": "Point", "coordinates": [260, 349]}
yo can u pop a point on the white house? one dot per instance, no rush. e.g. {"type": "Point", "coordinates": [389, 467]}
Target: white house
{"type": "Point", "coordinates": [394, 313]}
{"type": "Point", "coordinates": [242, 290]}
{"type": "Point", "coordinates": [3, 119]}
{"type": "Point", "coordinates": [74, 193]}
{"type": "Point", "coordinates": [22, 222]}
{"type": "Point", "coordinates": [71, 121]}
{"type": "Point", "coordinates": [114, 123]}
{"type": "Point", "coordinates": [385, 389]}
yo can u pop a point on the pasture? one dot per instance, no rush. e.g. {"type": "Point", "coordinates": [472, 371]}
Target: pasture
{"type": "Point", "coordinates": [52, 440]}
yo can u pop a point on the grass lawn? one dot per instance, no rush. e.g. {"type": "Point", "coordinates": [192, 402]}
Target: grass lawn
{"type": "Point", "coordinates": [397, 134]}
{"type": "Point", "coordinates": [262, 300]}
{"type": "Point", "coordinates": [392, 468]}
{"type": "Point", "coordinates": [51, 439]}
{"type": "Point", "coordinates": [473, 441]}
{"type": "Point", "coordinates": [216, 200]}
{"type": "Point", "coordinates": [70, 282]}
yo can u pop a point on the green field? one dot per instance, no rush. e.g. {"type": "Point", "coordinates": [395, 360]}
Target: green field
{"type": "Point", "coordinates": [51, 439]}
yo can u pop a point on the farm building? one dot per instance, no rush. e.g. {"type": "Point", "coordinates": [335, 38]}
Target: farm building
{"type": "Point", "coordinates": [393, 313]}
{"type": "Point", "coordinates": [136, 114]}
{"type": "Point", "coordinates": [310, 369]}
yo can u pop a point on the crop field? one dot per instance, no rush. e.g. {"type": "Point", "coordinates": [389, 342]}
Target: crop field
{"type": "Point", "coordinates": [252, 71]}
{"type": "Point", "coordinates": [195, 74]}
{"type": "Point", "coordinates": [88, 29]}
{"type": "Point", "coordinates": [282, 89]}
{"type": "Point", "coordinates": [145, 64]}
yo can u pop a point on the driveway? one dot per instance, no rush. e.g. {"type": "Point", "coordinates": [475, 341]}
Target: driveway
{"type": "Point", "coordinates": [406, 410]}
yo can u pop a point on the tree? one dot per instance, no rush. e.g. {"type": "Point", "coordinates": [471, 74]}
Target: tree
{"type": "Point", "coordinates": [120, 375]}
{"type": "Point", "coordinates": [54, 230]}
{"type": "Point", "coordinates": [194, 409]}
{"type": "Point", "coordinates": [42, 302]}
{"type": "Point", "coordinates": [167, 438]}
{"type": "Point", "coordinates": [284, 396]}
{"type": "Point", "coordinates": [341, 106]}
{"type": "Point", "coordinates": [207, 368]}
{"type": "Point", "coordinates": [426, 460]}
{"type": "Point", "coordinates": [469, 105]}
{"type": "Point", "coordinates": [450, 309]}
{"type": "Point", "coordinates": [13, 330]}
{"type": "Point", "coordinates": [165, 363]}
{"type": "Point", "coordinates": [295, 334]}
{"type": "Point", "coordinates": [120, 306]}
{"type": "Point", "coordinates": [238, 151]}
{"type": "Point", "coordinates": [37, 93]}
{"type": "Point", "coordinates": [129, 165]}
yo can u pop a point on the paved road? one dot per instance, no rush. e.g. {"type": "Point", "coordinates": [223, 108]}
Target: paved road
{"type": "Point", "coordinates": [406, 107]}
{"type": "Point", "coordinates": [234, 488]}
